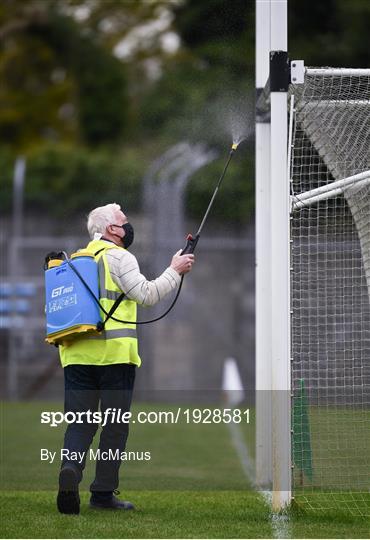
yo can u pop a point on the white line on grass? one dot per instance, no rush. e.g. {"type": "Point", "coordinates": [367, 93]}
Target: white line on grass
{"type": "Point", "coordinates": [279, 522]}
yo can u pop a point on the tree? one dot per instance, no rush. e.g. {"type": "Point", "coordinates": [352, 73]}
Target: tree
{"type": "Point", "coordinates": [57, 83]}
{"type": "Point", "coordinates": [330, 33]}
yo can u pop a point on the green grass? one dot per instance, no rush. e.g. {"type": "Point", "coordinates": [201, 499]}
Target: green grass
{"type": "Point", "coordinates": [340, 439]}
{"type": "Point", "coordinates": [306, 522]}
{"type": "Point", "coordinates": [158, 514]}
{"type": "Point", "coordinates": [193, 486]}
{"type": "Point", "coordinates": [205, 514]}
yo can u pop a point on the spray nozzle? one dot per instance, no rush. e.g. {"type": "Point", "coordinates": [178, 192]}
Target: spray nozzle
{"type": "Point", "coordinates": [234, 146]}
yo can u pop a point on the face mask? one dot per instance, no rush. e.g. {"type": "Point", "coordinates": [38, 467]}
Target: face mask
{"type": "Point", "coordinates": [129, 235]}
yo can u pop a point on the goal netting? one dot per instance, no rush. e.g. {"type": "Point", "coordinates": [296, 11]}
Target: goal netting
{"type": "Point", "coordinates": [330, 289]}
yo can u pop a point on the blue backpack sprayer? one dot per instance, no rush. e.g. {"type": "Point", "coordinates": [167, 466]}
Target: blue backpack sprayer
{"type": "Point", "coordinates": [72, 304]}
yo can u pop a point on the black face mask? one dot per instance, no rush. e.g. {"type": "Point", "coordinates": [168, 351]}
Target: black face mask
{"type": "Point", "coordinates": [129, 235]}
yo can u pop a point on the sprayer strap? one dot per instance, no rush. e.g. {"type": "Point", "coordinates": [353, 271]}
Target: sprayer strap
{"type": "Point", "coordinates": [99, 251]}
{"type": "Point", "coordinates": [109, 294]}
{"type": "Point", "coordinates": [83, 281]}
{"type": "Point", "coordinates": [113, 308]}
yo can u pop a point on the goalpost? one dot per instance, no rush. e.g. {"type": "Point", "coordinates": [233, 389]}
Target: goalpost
{"type": "Point", "coordinates": [313, 434]}
{"type": "Point", "coordinates": [273, 436]}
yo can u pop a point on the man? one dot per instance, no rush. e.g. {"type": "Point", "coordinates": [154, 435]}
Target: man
{"type": "Point", "coordinates": [100, 368]}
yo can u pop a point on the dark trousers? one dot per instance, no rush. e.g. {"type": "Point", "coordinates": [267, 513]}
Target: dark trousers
{"type": "Point", "coordinates": [86, 387]}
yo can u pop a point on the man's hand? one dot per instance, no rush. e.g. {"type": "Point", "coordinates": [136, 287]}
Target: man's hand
{"type": "Point", "coordinates": [182, 263]}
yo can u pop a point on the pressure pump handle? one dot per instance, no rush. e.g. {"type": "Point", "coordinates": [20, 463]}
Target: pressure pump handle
{"type": "Point", "coordinates": [191, 242]}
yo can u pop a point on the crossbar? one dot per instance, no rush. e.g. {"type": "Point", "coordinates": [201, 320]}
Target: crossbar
{"type": "Point", "coordinates": [338, 102]}
{"type": "Point", "coordinates": [338, 72]}
{"type": "Point", "coordinates": [330, 190]}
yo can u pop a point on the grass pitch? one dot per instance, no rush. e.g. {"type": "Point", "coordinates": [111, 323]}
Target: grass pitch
{"type": "Point", "coordinates": [179, 514]}
{"type": "Point", "coordinates": [193, 487]}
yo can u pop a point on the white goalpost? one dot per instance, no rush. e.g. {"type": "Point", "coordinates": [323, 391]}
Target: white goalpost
{"type": "Point", "coordinates": [263, 248]}
{"type": "Point", "coordinates": [273, 460]}
{"type": "Point", "coordinates": [312, 276]}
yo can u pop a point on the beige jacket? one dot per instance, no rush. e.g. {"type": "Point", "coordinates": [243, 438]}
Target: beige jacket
{"type": "Point", "coordinates": [125, 272]}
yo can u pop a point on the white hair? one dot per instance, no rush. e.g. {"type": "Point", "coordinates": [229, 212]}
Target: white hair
{"type": "Point", "coordinates": [99, 218]}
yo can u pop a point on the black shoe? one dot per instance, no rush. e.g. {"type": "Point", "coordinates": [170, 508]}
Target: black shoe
{"type": "Point", "coordinates": [68, 500]}
{"type": "Point", "coordinates": [110, 503]}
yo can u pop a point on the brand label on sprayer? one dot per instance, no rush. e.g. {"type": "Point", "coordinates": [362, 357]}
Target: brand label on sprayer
{"type": "Point", "coordinates": [58, 291]}
{"type": "Point", "coordinates": [63, 298]}
{"type": "Point", "coordinates": [62, 303]}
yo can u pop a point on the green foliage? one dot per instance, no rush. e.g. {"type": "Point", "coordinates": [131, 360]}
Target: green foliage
{"type": "Point", "coordinates": [30, 100]}
{"type": "Point", "coordinates": [7, 161]}
{"type": "Point", "coordinates": [189, 85]}
{"type": "Point", "coordinates": [206, 77]}
{"type": "Point", "coordinates": [200, 91]}
{"type": "Point", "coordinates": [100, 79]}
{"type": "Point", "coordinates": [57, 82]}
{"type": "Point", "coordinates": [330, 33]}
{"type": "Point", "coordinates": [236, 200]}
{"type": "Point", "coordinates": [201, 99]}
{"type": "Point", "coordinates": [63, 180]}
{"type": "Point", "coordinates": [201, 22]}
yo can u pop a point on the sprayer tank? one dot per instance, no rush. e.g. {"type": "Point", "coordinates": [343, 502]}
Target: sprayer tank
{"type": "Point", "coordinates": [70, 308]}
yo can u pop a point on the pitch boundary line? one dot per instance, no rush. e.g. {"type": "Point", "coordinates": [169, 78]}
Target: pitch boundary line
{"type": "Point", "coordinates": [279, 522]}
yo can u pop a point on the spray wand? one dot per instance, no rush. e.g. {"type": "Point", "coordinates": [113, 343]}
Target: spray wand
{"type": "Point", "coordinates": [191, 241]}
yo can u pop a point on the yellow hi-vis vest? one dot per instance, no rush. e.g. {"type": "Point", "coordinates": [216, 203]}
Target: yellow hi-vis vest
{"type": "Point", "coordinates": [117, 344]}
